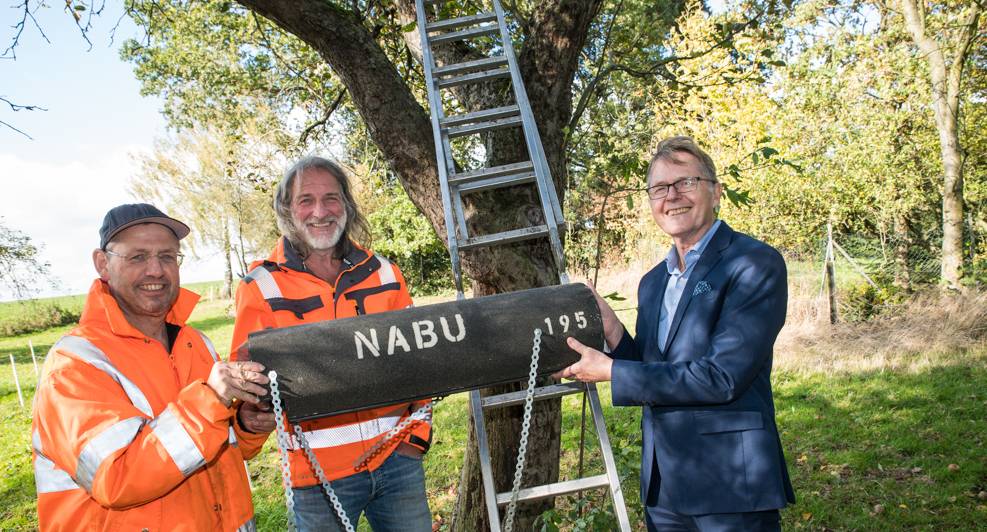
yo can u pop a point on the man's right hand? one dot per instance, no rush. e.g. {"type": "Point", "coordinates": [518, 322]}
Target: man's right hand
{"type": "Point", "coordinates": [613, 329]}
{"type": "Point", "coordinates": [238, 380]}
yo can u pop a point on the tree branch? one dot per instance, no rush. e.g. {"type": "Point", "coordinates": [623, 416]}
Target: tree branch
{"type": "Point", "coordinates": [325, 117]}
{"type": "Point", "coordinates": [26, 14]}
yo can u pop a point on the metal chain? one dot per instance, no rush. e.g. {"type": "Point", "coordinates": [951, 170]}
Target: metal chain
{"type": "Point", "coordinates": [422, 415]}
{"type": "Point", "coordinates": [525, 426]}
{"type": "Point", "coordinates": [321, 475]}
{"type": "Point", "coordinates": [284, 446]}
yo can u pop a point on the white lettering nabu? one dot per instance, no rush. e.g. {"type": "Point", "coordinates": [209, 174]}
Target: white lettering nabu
{"type": "Point", "coordinates": [423, 332]}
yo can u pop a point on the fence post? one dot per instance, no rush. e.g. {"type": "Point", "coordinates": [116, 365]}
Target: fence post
{"type": "Point", "coordinates": [831, 274]}
{"type": "Point", "coordinates": [33, 358]}
{"type": "Point", "coordinates": [17, 381]}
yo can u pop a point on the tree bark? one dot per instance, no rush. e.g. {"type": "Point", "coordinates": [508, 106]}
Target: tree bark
{"type": "Point", "coordinates": [946, 84]}
{"type": "Point", "coordinates": [400, 127]}
{"type": "Point", "coordinates": [227, 291]}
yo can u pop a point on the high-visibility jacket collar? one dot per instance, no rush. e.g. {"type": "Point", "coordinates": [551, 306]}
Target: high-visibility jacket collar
{"type": "Point", "coordinates": [286, 256]}
{"type": "Point", "coordinates": [102, 307]}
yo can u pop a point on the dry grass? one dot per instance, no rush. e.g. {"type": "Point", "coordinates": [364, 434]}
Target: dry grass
{"type": "Point", "coordinates": [930, 329]}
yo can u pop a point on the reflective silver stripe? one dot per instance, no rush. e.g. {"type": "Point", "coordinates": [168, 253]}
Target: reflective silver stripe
{"type": "Point", "coordinates": [99, 448]}
{"type": "Point", "coordinates": [249, 526]}
{"type": "Point", "coordinates": [48, 478]}
{"type": "Point", "coordinates": [232, 436]}
{"type": "Point", "coordinates": [85, 350]}
{"type": "Point", "coordinates": [209, 346]}
{"type": "Point", "coordinates": [386, 271]}
{"type": "Point", "coordinates": [176, 440]}
{"type": "Point", "coordinates": [265, 282]}
{"type": "Point", "coordinates": [366, 430]}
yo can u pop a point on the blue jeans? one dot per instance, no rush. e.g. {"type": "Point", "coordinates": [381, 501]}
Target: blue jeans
{"type": "Point", "coordinates": [392, 496]}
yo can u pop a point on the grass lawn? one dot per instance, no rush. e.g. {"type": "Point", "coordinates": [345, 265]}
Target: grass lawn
{"type": "Point", "coordinates": [876, 450]}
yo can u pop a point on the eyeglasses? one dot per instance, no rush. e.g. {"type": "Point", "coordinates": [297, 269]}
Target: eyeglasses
{"type": "Point", "coordinates": [165, 259]}
{"type": "Point", "coordinates": [686, 184]}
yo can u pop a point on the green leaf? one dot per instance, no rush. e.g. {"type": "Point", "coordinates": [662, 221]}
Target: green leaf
{"type": "Point", "coordinates": [630, 202]}
{"type": "Point", "coordinates": [79, 7]}
{"type": "Point", "coordinates": [615, 296]}
{"type": "Point", "coordinates": [409, 26]}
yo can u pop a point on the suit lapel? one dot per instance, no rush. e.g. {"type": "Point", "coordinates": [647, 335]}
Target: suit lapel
{"type": "Point", "coordinates": [709, 258]}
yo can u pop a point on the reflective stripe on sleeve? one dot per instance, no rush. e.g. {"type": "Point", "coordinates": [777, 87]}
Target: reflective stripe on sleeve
{"type": "Point", "coordinates": [48, 478]}
{"type": "Point", "coordinates": [85, 350]}
{"type": "Point", "coordinates": [265, 283]}
{"type": "Point", "coordinates": [232, 436]}
{"type": "Point", "coordinates": [209, 346]}
{"type": "Point", "coordinates": [100, 447]}
{"type": "Point", "coordinates": [176, 440]}
{"type": "Point", "coordinates": [386, 271]}
{"type": "Point", "coordinates": [249, 526]}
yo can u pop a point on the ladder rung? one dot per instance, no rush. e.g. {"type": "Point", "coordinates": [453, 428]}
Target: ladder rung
{"type": "Point", "coordinates": [544, 392]}
{"type": "Point", "coordinates": [469, 66]}
{"type": "Point", "coordinates": [553, 490]}
{"type": "Point", "coordinates": [479, 116]}
{"type": "Point", "coordinates": [506, 237]}
{"type": "Point", "coordinates": [453, 23]}
{"type": "Point", "coordinates": [483, 127]}
{"type": "Point", "coordinates": [493, 171]}
{"type": "Point", "coordinates": [498, 182]}
{"type": "Point", "coordinates": [474, 77]}
{"type": "Point", "coordinates": [478, 31]}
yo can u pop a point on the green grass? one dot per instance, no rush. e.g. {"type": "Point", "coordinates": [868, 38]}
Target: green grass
{"type": "Point", "coordinates": [853, 442]}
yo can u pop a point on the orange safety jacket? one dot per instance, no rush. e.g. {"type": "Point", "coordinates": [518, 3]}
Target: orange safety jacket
{"type": "Point", "coordinates": [128, 436]}
{"type": "Point", "coordinates": [279, 292]}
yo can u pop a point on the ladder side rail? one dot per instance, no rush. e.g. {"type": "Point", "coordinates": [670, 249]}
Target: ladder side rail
{"type": "Point", "coordinates": [616, 492]}
{"type": "Point", "coordinates": [535, 150]}
{"type": "Point", "coordinates": [435, 103]}
{"type": "Point", "coordinates": [486, 470]}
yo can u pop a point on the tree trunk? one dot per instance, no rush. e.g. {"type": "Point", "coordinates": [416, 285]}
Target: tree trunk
{"type": "Point", "coordinates": [401, 129]}
{"type": "Point", "coordinates": [227, 291]}
{"type": "Point", "coordinates": [902, 244]}
{"type": "Point", "coordinates": [946, 78]}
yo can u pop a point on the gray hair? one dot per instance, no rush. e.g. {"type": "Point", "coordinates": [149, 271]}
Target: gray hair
{"type": "Point", "coordinates": [357, 229]}
{"type": "Point", "coordinates": [670, 147]}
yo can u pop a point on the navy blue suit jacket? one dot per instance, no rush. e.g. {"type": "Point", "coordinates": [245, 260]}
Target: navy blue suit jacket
{"type": "Point", "coordinates": [709, 417]}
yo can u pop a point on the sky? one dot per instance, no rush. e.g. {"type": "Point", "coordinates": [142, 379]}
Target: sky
{"type": "Point", "coordinates": [57, 186]}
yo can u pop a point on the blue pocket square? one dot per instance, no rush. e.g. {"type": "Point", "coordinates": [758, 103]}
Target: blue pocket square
{"type": "Point", "coordinates": [702, 287]}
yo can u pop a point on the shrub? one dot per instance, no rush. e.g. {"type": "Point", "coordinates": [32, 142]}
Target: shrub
{"type": "Point", "coordinates": [37, 317]}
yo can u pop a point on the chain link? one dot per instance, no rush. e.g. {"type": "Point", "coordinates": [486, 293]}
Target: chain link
{"type": "Point", "coordinates": [422, 415]}
{"type": "Point", "coordinates": [285, 445]}
{"type": "Point", "coordinates": [321, 475]}
{"type": "Point", "coordinates": [525, 426]}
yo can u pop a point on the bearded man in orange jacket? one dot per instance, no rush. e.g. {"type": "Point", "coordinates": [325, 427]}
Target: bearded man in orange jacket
{"type": "Point", "coordinates": [318, 272]}
{"type": "Point", "coordinates": [134, 414]}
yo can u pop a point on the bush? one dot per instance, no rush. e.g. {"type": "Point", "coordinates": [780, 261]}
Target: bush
{"type": "Point", "coordinates": [863, 301]}
{"type": "Point", "coordinates": [37, 317]}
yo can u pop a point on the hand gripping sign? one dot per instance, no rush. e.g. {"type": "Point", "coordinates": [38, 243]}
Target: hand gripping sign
{"type": "Point", "coordinates": [351, 364]}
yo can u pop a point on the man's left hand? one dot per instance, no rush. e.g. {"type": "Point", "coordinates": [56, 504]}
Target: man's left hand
{"type": "Point", "coordinates": [593, 366]}
{"type": "Point", "coordinates": [256, 418]}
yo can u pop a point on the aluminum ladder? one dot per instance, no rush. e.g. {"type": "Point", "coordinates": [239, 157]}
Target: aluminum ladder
{"type": "Point", "coordinates": [535, 172]}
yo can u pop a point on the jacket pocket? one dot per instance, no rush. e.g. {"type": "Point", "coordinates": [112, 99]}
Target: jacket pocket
{"type": "Point", "coordinates": [715, 422]}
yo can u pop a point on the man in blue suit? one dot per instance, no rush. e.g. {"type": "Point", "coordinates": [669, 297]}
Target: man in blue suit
{"type": "Point", "coordinates": [700, 362]}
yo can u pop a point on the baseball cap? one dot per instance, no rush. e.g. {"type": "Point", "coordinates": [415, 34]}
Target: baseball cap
{"type": "Point", "coordinates": [124, 216]}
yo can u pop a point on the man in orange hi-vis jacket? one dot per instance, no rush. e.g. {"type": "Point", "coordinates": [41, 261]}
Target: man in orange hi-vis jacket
{"type": "Point", "coordinates": [318, 272]}
{"type": "Point", "coordinates": [134, 414]}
